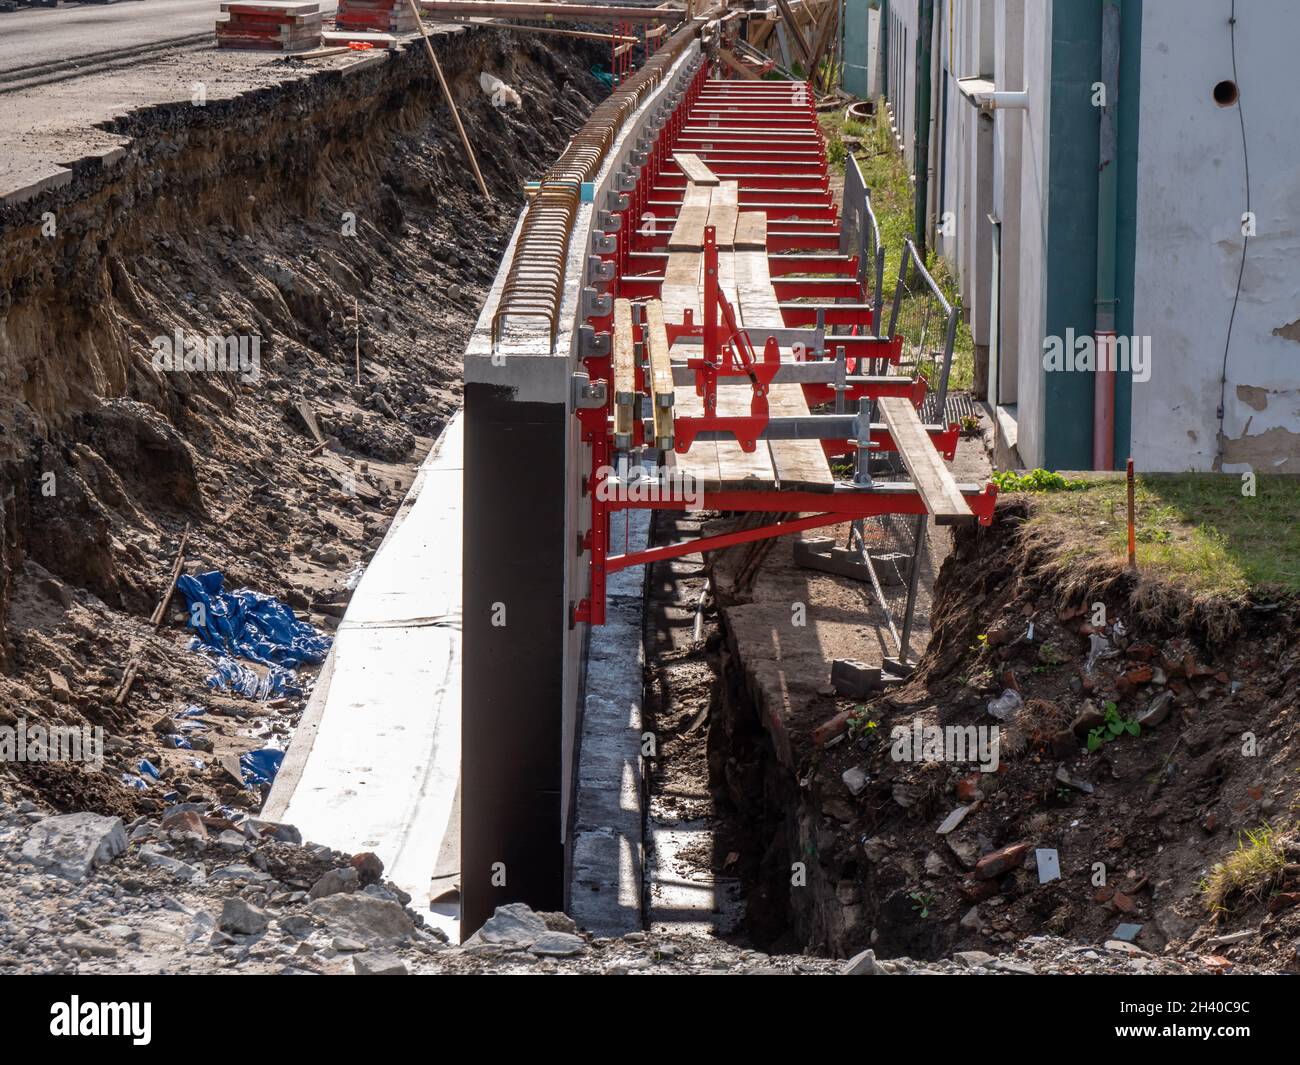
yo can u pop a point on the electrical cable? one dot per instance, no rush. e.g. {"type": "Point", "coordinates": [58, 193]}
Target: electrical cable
{"type": "Point", "coordinates": [1245, 242]}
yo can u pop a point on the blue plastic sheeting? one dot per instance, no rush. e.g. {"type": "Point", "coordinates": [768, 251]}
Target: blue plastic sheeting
{"type": "Point", "coordinates": [260, 767]}
{"type": "Point", "coordinates": [249, 625]}
{"type": "Point", "coordinates": [227, 674]}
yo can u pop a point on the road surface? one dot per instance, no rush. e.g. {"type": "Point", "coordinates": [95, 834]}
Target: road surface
{"type": "Point", "coordinates": [36, 39]}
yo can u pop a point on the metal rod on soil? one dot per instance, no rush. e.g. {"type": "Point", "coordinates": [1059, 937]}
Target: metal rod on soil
{"type": "Point", "coordinates": [446, 91]}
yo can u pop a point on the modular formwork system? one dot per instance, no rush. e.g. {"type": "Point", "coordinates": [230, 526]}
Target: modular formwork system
{"type": "Point", "coordinates": [742, 326]}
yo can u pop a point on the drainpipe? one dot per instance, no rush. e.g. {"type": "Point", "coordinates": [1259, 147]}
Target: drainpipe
{"type": "Point", "coordinates": [1103, 393]}
{"type": "Point", "coordinates": [921, 153]}
{"type": "Point", "coordinates": [883, 88]}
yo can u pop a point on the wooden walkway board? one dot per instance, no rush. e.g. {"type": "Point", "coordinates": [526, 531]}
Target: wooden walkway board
{"type": "Point", "coordinates": [681, 287]}
{"type": "Point", "coordinates": [759, 307]}
{"type": "Point", "coordinates": [799, 464]}
{"type": "Point", "coordinates": [751, 231]}
{"type": "Point", "coordinates": [723, 209]}
{"type": "Point", "coordinates": [625, 394]}
{"type": "Point", "coordinates": [661, 372]}
{"type": "Point", "coordinates": [688, 230]}
{"type": "Point", "coordinates": [925, 465]}
{"type": "Point", "coordinates": [695, 169]}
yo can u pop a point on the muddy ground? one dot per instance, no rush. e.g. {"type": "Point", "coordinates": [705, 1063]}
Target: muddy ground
{"type": "Point", "coordinates": [924, 854]}
{"type": "Point", "coordinates": [303, 217]}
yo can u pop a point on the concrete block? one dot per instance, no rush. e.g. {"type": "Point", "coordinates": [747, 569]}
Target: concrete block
{"type": "Point", "coordinates": [820, 553]}
{"type": "Point", "coordinates": [857, 680]}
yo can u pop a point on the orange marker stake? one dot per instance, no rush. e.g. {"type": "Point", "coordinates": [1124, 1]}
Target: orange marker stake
{"type": "Point", "coordinates": [1132, 534]}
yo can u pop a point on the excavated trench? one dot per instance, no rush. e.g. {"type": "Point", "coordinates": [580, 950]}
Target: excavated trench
{"type": "Point", "coordinates": [294, 220]}
{"type": "Point", "coordinates": [1137, 824]}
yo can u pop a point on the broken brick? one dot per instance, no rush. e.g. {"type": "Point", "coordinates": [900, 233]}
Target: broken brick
{"type": "Point", "coordinates": [1283, 901]}
{"type": "Point", "coordinates": [1001, 861]}
{"type": "Point", "coordinates": [978, 890]}
{"type": "Point", "coordinates": [829, 730]}
{"type": "Point", "coordinates": [1123, 903]}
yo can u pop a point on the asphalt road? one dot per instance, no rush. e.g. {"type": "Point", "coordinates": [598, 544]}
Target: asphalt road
{"type": "Point", "coordinates": [37, 37]}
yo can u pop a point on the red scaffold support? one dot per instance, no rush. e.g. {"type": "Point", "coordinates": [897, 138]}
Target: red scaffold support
{"type": "Point", "coordinates": [730, 126]}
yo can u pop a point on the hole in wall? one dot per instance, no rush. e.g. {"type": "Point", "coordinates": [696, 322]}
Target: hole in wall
{"type": "Point", "coordinates": [1225, 93]}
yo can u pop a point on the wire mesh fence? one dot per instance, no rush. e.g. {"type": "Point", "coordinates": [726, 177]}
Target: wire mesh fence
{"type": "Point", "coordinates": [927, 323]}
{"type": "Point", "coordinates": [861, 235]}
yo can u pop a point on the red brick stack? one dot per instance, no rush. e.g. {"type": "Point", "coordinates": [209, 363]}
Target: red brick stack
{"type": "Point", "coordinates": [377, 16]}
{"type": "Point", "coordinates": [274, 25]}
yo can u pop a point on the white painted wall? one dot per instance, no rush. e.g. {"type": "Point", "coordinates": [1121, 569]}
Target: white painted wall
{"type": "Point", "coordinates": [1008, 136]}
{"type": "Point", "coordinates": [1030, 221]}
{"type": "Point", "coordinates": [902, 75]}
{"type": "Point", "coordinates": [1191, 194]}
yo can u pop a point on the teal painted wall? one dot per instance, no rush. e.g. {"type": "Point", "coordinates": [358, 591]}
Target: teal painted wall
{"type": "Point", "coordinates": [1130, 78]}
{"type": "Point", "coordinates": [1072, 225]}
{"type": "Point", "coordinates": [857, 47]}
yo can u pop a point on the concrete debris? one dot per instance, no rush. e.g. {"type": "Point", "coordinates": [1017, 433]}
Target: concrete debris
{"type": "Point", "coordinates": [1157, 710]}
{"type": "Point", "coordinates": [241, 917]}
{"type": "Point", "coordinates": [501, 94]}
{"type": "Point", "coordinates": [1004, 707]}
{"type": "Point", "coordinates": [953, 820]}
{"type": "Point", "coordinates": [376, 964]}
{"type": "Point", "coordinates": [1049, 864]}
{"type": "Point", "coordinates": [514, 924]}
{"type": "Point", "coordinates": [557, 944]}
{"type": "Point", "coordinates": [363, 917]}
{"type": "Point", "coordinates": [70, 845]}
{"type": "Point", "coordinates": [855, 779]}
{"type": "Point", "coordinates": [864, 964]}
{"type": "Point", "coordinates": [335, 881]}
{"type": "Point", "coordinates": [1069, 780]}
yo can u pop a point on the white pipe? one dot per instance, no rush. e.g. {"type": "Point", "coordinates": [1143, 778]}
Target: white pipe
{"type": "Point", "coordinates": [1006, 101]}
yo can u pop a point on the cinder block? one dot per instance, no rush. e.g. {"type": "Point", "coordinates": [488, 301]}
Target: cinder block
{"type": "Point", "coordinates": [857, 680]}
{"type": "Point", "coordinates": [820, 553]}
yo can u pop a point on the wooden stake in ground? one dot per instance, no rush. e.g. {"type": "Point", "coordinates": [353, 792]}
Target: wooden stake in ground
{"type": "Point", "coordinates": [160, 611]}
{"type": "Point", "coordinates": [446, 91]}
{"type": "Point", "coordinates": [1132, 531]}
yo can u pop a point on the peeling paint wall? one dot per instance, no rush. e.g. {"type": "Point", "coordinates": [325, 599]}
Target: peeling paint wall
{"type": "Point", "coordinates": [1191, 196]}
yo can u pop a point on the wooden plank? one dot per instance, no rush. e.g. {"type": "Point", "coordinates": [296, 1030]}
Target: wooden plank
{"type": "Point", "coordinates": [688, 231]}
{"type": "Point", "coordinates": [798, 464]}
{"type": "Point", "coordinates": [735, 63]}
{"type": "Point", "coordinates": [759, 307]}
{"type": "Point", "coordinates": [792, 27]}
{"type": "Point", "coordinates": [738, 469]}
{"type": "Point", "coordinates": [582, 12]}
{"type": "Point", "coordinates": [723, 209]}
{"type": "Point", "coordinates": [625, 393]}
{"type": "Point", "coordinates": [695, 169]}
{"type": "Point", "coordinates": [661, 372]}
{"type": "Point", "coordinates": [751, 231]}
{"type": "Point", "coordinates": [925, 465]}
{"type": "Point", "coordinates": [681, 287]}
{"type": "Point", "coordinates": [700, 463]}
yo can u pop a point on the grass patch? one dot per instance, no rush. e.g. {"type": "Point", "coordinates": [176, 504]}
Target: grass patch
{"type": "Point", "coordinates": [1039, 480]}
{"type": "Point", "coordinates": [893, 200]}
{"type": "Point", "coordinates": [1195, 530]}
{"type": "Point", "coordinates": [1250, 872]}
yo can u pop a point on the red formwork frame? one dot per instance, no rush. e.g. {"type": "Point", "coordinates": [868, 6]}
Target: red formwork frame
{"type": "Point", "coordinates": [727, 350]}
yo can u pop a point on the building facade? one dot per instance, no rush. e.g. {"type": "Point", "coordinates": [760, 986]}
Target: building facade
{"type": "Point", "coordinates": [1114, 182]}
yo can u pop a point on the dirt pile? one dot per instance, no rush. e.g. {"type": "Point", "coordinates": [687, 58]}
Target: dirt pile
{"type": "Point", "coordinates": [177, 348]}
{"type": "Point", "coordinates": [1054, 718]}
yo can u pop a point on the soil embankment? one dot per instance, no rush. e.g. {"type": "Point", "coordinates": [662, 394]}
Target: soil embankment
{"type": "Point", "coordinates": [270, 223]}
